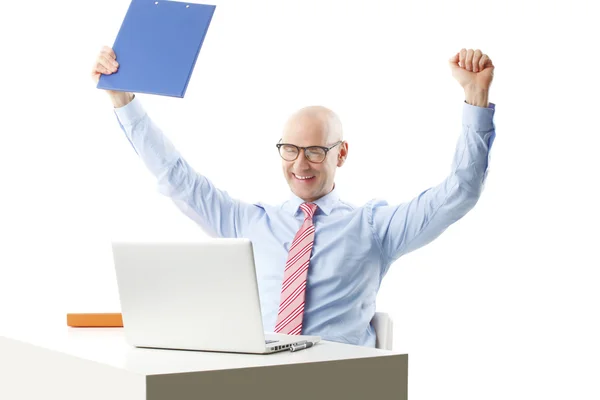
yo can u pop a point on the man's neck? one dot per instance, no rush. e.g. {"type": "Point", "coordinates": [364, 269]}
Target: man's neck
{"type": "Point", "coordinates": [317, 198]}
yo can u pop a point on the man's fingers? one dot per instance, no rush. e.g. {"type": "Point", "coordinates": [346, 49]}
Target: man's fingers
{"type": "Point", "coordinates": [476, 58]}
{"type": "Point", "coordinates": [482, 62]}
{"type": "Point", "coordinates": [469, 60]}
{"type": "Point", "coordinates": [488, 63]}
{"type": "Point", "coordinates": [103, 70]}
{"type": "Point", "coordinates": [102, 61]}
{"type": "Point", "coordinates": [110, 65]}
{"type": "Point", "coordinates": [107, 62]}
{"type": "Point", "coordinates": [462, 57]}
{"type": "Point", "coordinates": [108, 51]}
{"type": "Point", "coordinates": [454, 59]}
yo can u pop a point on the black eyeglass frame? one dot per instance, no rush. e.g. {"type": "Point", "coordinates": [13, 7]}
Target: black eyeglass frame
{"type": "Point", "coordinates": [298, 148]}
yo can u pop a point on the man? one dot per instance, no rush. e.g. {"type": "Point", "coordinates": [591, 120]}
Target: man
{"type": "Point", "coordinates": [319, 260]}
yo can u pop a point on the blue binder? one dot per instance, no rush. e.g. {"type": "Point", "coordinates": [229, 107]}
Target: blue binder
{"type": "Point", "coordinates": [157, 47]}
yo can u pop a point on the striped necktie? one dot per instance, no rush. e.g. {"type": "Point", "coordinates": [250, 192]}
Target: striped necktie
{"type": "Point", "coordinates": [291, 307]}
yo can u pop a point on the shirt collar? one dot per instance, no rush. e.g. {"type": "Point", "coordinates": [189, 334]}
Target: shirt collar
{"type": "Point", "coordinates": [324, 203]}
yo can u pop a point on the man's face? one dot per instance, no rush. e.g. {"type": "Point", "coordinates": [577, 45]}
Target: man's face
{"type": "Point", "coordinates": [310, 180]}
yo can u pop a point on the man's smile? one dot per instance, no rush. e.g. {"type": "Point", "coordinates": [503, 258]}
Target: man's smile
{"type": "Point", "coordinates": [303, 178]}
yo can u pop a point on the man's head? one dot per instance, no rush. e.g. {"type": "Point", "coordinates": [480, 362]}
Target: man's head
{"type": "Point", "coordinates": [312, 126]}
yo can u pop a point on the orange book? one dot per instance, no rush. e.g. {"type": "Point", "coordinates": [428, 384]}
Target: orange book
{"type": "Point", "coordinates": [97, 320]}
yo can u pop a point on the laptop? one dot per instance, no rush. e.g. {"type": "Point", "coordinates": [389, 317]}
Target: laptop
{"type": "Point", "coordinates": [194, 296]}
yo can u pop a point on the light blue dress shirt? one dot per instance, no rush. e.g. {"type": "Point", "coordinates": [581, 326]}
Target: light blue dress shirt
{"type": "Point", "coordinates": [353, 247]}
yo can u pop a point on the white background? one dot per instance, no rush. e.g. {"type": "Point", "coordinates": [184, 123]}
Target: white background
{"type": "Point", "coordinates": [503, 305]}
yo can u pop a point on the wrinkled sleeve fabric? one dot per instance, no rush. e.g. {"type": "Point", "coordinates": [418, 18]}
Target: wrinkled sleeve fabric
{"type": "Point", "coordinates": [400, 229]}
{"type": "Point", "coordinates": [217, 213]}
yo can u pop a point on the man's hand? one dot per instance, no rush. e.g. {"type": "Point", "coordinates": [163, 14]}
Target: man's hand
{"type": "Point", "coordinates": [474, 71]}
{"type": "Point", "coordinates": [106, 63]}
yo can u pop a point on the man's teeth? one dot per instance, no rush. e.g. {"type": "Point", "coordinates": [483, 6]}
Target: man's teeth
{"type": "Point", "coordinates": [303, 177]}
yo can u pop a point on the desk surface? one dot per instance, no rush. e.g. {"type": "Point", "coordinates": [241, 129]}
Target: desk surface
{"type": "Point", "coordinates": [108, 346]}
{"type": "Point", "coordinates": [52, 360]}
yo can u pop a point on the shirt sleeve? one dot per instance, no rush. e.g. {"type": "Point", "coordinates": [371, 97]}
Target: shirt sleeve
{"type": "Point", "coordinates": [214, 210]}
{"type": "Point", "coordinates": [406, 227]}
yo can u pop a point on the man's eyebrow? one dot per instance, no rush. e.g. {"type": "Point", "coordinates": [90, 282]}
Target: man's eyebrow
{"type": "Point", "coordinates": [312, 145]}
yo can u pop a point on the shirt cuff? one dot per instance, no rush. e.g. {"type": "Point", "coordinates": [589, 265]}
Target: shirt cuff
{"type": "Point", "coordinates": [480, 118]}
{"type": "Point", "coordinates": [130, 113]}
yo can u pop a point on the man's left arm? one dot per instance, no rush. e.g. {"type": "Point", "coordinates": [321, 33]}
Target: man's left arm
{"type": "Point", "coordinates": [409, 226]}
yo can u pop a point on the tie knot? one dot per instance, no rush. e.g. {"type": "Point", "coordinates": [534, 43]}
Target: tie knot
{"type": "Point", "coordinates": [309, 209]}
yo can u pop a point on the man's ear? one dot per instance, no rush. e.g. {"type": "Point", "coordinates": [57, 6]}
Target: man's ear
{"type": "Point", "coordinates": [343, 154]}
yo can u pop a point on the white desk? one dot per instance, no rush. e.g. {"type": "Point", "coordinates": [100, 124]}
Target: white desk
{"type": "Point", "coordinates": [91, 363]}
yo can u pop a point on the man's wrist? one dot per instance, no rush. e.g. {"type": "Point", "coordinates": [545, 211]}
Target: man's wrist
{"type": "Point", "coordinates": [477, 97]}
{"type": "Point", "coordinates": [121, 99]}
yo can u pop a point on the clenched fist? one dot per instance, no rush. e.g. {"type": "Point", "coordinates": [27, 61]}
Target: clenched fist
{"type": "Point", "coordinates": [474, 71]}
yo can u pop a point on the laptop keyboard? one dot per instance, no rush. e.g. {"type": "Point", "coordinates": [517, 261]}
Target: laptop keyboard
{"type": "Point", "coordinates": [271, 341]}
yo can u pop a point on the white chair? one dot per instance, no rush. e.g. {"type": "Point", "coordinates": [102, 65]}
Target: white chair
{"type": "Point", "coordinates": [384, 330]}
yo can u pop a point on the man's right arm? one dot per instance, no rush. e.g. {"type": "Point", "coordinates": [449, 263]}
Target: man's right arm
{"type": "Point", "coordinates": [214, 210]}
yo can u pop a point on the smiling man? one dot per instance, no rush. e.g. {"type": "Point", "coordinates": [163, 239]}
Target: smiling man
{"type": "Point", "coordinates": [315, 131]}
{"type": "Point", "coordinates": [320, 260]}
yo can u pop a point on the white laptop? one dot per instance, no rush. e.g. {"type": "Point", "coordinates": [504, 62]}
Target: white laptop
{"type": "Point", "coordinates": [194, 296]}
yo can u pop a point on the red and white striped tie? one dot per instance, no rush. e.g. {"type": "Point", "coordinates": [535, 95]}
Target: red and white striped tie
{"type": "Point", "coordinates": [291, 307]}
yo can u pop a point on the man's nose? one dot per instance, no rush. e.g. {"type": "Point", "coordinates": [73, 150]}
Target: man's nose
{"type": "Point", "coordinates": [301, 162]}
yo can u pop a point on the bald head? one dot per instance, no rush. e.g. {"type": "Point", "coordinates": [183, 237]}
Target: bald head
{"type": "Point", "coordinates": [316, 124]}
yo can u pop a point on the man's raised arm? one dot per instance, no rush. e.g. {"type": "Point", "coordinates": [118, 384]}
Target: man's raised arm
{"type": "Point", "coordinates": [213, 209]}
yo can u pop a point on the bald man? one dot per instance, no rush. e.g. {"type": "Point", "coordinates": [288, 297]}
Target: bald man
{"type": "Point", "coordinates": [320, 260]}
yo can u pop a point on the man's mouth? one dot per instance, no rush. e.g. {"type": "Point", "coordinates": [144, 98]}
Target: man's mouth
{"type": "Point", "coordinates": [305, 178]}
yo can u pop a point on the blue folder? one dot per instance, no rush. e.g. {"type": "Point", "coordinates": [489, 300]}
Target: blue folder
{"type": "Point", "coordinates": [157, 47]}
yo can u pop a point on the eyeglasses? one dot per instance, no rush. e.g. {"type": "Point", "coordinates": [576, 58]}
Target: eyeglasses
{"type": "Point", "coordinates": [314, 154]}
